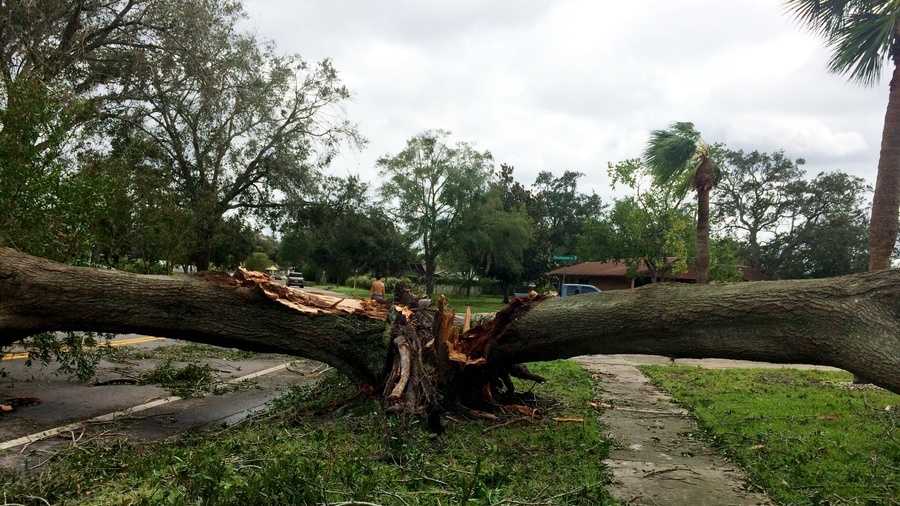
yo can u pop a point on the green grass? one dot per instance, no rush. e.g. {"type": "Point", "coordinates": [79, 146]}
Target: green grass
{"type": "Point", "coordinates": [357, 293]}
{"type": "Point", "coordinates": [804, 436]}
{"type": "Point", "coordinates": [294, 456]}
{"type": "Point", "coordinates": [179, 353]}
{"type": "Point", "coordinates": [479, 303]}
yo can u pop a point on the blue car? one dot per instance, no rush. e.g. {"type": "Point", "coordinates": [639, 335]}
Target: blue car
{"type": "Point", "coordinates": [570, 290]}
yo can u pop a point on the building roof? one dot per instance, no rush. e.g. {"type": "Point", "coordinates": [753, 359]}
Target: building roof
{"type": "Point", "coordinates": [614, 269]}
{"type": "Point", "coordinates": [597, 269]}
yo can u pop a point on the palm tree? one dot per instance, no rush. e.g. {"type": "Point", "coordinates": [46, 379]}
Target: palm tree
{"type": "Point", "coordinates": [863, 34]}
{"type": "Point", "coordinates": [678, 157]}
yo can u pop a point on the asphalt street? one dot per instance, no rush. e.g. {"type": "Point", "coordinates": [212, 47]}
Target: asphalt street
{"type": "Point", "coordinates": [61, 402]}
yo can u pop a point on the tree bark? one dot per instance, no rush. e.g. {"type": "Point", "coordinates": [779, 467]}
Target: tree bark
{"type": "Point", "coordinates": [430, 267]}
{"type": "Point", "coordinates": [849, 322]}
{"type": "Point", "coordinates": [424, 362]}
{"type": "Point", "coordinates": [755, 253]}
{"type": "Point", "coordinates": [702, 261]}
{"type": "Point", "coordinates": [886, 201]}
{"type": "Point", "coordinates": [37, 295]}
{"type": "Point", "coordinates": [703, 183]}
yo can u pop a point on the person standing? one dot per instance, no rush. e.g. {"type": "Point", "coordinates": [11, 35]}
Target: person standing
{"type": "Point", "coordinates": [376, 292]}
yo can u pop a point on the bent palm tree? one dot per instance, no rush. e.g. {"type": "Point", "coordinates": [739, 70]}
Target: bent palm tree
{"type": "Point", "coordinates": [678, 156]}
{"type": "Point", "coordinates": [862, 35]}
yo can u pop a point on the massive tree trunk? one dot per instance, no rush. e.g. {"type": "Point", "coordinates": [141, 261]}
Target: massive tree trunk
{"type": "Point", "coordinates": [886, 201]}
{"type": "Point", "coordinates": [420, 362]}
{"type": "Point", "coordinates": [38, 295]}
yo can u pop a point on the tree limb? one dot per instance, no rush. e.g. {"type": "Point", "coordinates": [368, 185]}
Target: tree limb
{"type": "Point", "coordinates": [851, 322]}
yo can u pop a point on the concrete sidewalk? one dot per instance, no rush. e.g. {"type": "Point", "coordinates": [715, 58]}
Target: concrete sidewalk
{"type": "Point", "coordinates": [659, 459]}
{"type": "Point", "coordinates": [707, 363]}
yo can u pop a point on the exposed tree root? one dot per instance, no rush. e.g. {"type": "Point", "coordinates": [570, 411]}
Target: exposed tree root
{"type": "Point", "coordinates": [437, 367]}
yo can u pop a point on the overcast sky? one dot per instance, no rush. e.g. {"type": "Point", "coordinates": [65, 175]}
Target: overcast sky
{"type": "Point", "coordinates": [571, 84]}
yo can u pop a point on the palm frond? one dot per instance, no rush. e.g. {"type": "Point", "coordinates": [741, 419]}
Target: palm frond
{"type": "Point", "coordinates": [859, 32]}
{"type": "Point", "coordinates": [669, 152]}
{"type": "Point", "coordinates": [821, 16]}
{"type": "Point", "coordinates": [681, 184]}
{"type": "Point", "coordinates": [863, 44]}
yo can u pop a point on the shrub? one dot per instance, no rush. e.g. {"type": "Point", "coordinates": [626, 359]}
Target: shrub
{"type": "Point", "coordinates": [391, 282]}
{"type": "Point", "coordinates": [258, 261]}
{"type": "Point", "coordinates": [360, 281]}
{"type": "Point", "coordinates": [139, 266]}
{"type": "Point", "coordinates": [365, 281]}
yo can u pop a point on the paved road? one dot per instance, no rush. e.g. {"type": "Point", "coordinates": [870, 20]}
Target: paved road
{"type": "Point", "coordinates": [64, 400]}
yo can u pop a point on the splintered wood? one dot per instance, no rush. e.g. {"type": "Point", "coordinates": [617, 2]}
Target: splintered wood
{"type": "Point", "coordinates": [472, 347]}
{"type": "Point", "coordinates": [412, 385]}
{"type": "Point", "coordinates": [312, 304]}
{"type": "Point", "coordinates": [405, 367]}
{"type": "Point", "coordinates": [451, 336]}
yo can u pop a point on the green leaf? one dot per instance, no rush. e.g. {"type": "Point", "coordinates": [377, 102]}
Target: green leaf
{"type": "Point", "coordinates": [861, 47]}
{"type": "Point", "coordinates": [860, 33]}
{"type": "Point", "coordinates": [669, 152]}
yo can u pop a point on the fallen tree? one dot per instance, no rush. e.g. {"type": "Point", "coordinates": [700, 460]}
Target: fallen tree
{"type": "Point", "coordinates": [419, 362]}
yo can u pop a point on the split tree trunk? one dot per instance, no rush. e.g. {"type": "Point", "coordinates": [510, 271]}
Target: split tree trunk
{"type": "Point", "coordinates": [421, 362]}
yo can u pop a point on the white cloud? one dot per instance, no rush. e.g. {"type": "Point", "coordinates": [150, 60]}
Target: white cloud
{"type": "Point", "coordinates": [575, 84]}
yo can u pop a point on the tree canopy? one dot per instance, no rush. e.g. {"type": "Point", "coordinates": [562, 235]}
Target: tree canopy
{"type": "Point", "coordinates": [341, 231]}
{"type": "Point", "coordinates": [146, 134]}
{"type": "Point", "coordinates": [236, 123]}
{"type": "Point", "coordinates": [429, 186]}
{"type": "Point", "coordinates": [648, 229]}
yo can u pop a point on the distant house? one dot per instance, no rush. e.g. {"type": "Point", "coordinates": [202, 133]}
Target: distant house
{"type": "Point", "coordinates": [614, 275]}
{"type": "Point", "coordinates": [610, 275]}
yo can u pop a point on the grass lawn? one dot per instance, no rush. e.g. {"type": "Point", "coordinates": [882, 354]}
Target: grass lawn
{"type": "Point", "coordinates": [479, 303]}
{"type": "Point", "coordinates": [294, 456]}
{"type": "Point", "coordinates": [179, 352]}
{"type": "Point", "coordinates": [802, 435]}
{"type": "Point", "coordinates": [358, 293]}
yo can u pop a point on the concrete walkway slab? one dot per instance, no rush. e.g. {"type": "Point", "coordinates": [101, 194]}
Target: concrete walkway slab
{"type": "Point", "coordinates": [659, 458]}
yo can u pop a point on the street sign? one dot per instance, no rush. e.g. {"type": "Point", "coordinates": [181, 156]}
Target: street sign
{"type": "Point", "coordinates": [565, 259]}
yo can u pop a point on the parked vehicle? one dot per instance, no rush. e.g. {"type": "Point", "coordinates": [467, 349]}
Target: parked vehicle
{"type": "Point", "coordinates": [570, 290]}
{"type": "Point", "coordinates": [295, 279]}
